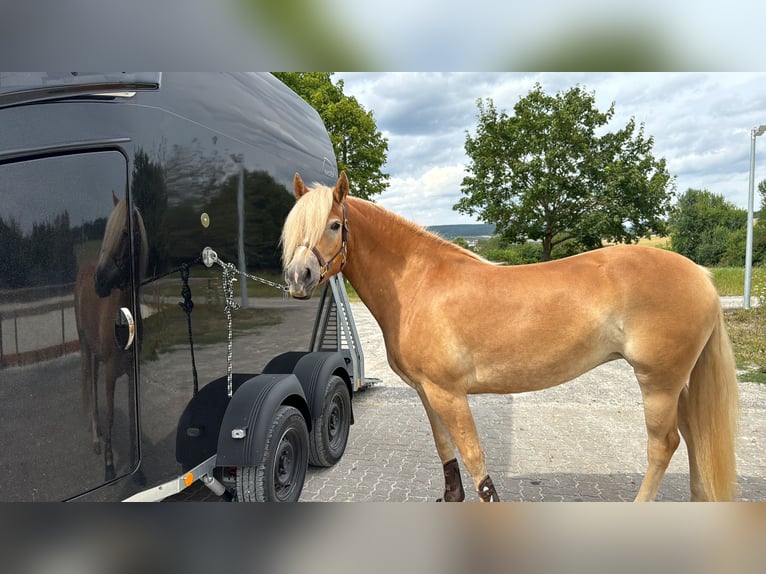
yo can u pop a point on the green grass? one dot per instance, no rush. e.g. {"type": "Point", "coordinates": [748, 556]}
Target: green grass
{"type": "Point", "coordinates": [204, 282]}
{"type": "Point", "coordinates": [167, 329]}
{"type": "Point", "coordinates": [747, 329]}
{"type": "Point", "coordinates": [352, 294]}
{"type": "Point", "coordinates": [731, 280]}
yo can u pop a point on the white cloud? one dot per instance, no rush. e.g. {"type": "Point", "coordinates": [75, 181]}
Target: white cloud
{"type": "Point", "coordinates": [428, 198]}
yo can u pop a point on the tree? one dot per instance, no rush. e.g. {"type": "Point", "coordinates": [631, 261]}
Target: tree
{"type": "Point", "coordinates": [360, 148]}
{"type": "Point", "coordinates": [704, 226]}
{"type": "Point", "coordinates": [544, 173]}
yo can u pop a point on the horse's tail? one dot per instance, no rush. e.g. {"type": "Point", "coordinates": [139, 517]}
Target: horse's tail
{"type": "Point", "coordinates": [713, 409]}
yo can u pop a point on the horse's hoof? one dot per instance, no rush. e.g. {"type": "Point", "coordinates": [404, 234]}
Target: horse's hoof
{"type": "Point", "coordinates": [487, 491]}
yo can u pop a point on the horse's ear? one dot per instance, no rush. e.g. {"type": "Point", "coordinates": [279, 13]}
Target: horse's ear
{"type": "Point", "coordinates": [341, 188]}
{"type": "Point", "coordinates": [114, 198]}
{"type": "Point", "coordinates": [299, 187]}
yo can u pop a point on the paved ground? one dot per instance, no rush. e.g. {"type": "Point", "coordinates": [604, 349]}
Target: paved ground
{"type": "Point", "coordinates": [583, 441]}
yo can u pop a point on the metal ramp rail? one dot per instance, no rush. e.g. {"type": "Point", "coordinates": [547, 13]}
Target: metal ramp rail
{"type": "Point", "coordinates": [335, 330]}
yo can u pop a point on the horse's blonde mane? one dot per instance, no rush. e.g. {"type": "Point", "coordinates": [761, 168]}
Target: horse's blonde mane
{"type": "Point", "coordinates": [306, 221]}
{"type": "Point", "coordinates": [115, 226]}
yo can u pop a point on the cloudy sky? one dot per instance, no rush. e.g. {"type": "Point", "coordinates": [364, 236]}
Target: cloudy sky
{"type": "Point", "coordinates": [701, 125]}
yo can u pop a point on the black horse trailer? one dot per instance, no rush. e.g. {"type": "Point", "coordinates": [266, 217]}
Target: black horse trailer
{"type": "Point", "coordinates": [145, 341]}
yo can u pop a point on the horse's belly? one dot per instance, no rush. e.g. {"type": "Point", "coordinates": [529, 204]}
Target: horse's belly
{"type": "Point", "coordinates": [535, 367]}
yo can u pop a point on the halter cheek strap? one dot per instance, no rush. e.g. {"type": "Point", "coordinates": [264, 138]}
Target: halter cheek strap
{"type": "Point", "coordinates": [324, 266]}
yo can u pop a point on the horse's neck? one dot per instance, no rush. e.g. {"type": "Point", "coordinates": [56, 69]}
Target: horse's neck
{"type": "Point", "coordinates": [387, 258]}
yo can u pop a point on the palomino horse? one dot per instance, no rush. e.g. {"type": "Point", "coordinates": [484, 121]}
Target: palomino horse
{"type": "Point", "coordinates": [101, 289]}
{"type": "Point", "coordinates": [548, 323]}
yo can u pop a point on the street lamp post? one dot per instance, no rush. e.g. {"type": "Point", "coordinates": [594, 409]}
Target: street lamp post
{"type": "Point", "coordinates": [754, 133]}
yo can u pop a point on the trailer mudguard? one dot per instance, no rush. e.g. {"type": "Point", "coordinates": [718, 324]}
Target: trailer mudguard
{"type": "Point", "coordinates": [199, 424]}
{"type": "Point", "coordinates": [314, 371]}
{"type": "Point", "coordinates": [247, 419]}
{"type": "Point", "coordinates": [284, 363]}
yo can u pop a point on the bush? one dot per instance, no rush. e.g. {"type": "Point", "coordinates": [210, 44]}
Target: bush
{"type": "Point", "coordinates": [735, 251]}
{"type": "Point", "coordinates": [705, 227]}
{"type": "Point", "coordinates": [521, 254]}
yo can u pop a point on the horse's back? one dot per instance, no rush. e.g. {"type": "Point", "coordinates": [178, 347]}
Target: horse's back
{"type": "Point", "coordinates": [648, 276]}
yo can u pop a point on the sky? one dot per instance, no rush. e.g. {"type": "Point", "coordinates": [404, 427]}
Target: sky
{"type": "Point", "coordinates": [701, 124]}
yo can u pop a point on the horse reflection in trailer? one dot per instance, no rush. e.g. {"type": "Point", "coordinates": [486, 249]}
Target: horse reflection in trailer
{"type": "Point", "coordinates": [101, 297]}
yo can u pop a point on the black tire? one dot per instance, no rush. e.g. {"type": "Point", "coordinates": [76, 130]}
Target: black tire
{"type": "Point", "coordinates": [280, 475]}
{"type": "Point", "coordinates": [329, 433]}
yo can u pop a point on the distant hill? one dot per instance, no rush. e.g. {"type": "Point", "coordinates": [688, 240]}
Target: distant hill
{"type": "Point", "coordinates": [450, 232]}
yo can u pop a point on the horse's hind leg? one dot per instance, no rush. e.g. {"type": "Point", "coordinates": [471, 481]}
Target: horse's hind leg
{"type": "Point", "coordinates": [697, 488]}
{"type": "Point", "coordinates": [661, 417]}
{"type": "Point", "coordinates": [455, 414]}
{"type": "Point", "coordinates": [453, 484]}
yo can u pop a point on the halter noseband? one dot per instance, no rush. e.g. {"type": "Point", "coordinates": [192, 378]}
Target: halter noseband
{"type": "Point", "coordinates": [324, 266]}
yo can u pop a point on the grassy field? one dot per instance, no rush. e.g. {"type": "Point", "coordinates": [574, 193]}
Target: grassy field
{"type": "Point", "coordinates": [747, 329]}
{"type": "Point", "coordinates": [731, 280]}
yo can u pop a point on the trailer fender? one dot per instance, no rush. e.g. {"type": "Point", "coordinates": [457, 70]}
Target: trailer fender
{"type": "Point", "coordinates": [314, 371]}
{"type": "Point", "coordinates": [249, 415]}
{"type": "Point", "coordinates": [285, 362]}
{"type": "Point", "coordinates": [199, 425]}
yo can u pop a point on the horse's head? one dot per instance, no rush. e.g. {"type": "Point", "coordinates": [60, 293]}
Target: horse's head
{"type": "Point", "coordinates": [314, 237]}
{"type": "Point", "coordinates": [113, 269]}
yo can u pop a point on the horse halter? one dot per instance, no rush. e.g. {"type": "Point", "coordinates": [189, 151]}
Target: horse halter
{"type": "Point", "coordinates": [324, 266]}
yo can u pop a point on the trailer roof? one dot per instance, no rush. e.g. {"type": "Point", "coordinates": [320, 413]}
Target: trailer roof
{"type": "Point", "coordinates": [25, 87]}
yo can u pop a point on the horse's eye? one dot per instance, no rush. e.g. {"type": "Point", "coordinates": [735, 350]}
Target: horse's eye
{"type": "Point", "coordinates": [335, 226]}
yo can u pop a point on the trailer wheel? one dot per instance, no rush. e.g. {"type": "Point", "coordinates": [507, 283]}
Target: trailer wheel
{"type": "Point", "coordinates": [280, 475]}
{"type": "Point", "coordinates": [329, 433]}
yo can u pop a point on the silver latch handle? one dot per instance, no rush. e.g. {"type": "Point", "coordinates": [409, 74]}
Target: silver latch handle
{"type": "Point", "coordinates": [124, 328]}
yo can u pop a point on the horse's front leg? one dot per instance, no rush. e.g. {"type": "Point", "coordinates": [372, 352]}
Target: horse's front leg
{"type": "Point", "coordinates": [453, 483]}
{"type": "Point", "coordinates": [111, 381]}
{"type": "Point", "coordinates": [93, 382]}
{"type": "Point", "coordinates": [455, 414]}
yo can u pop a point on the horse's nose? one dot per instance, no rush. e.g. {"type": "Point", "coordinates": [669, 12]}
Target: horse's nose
{"type": "Point", "coordinates": [300, 280]}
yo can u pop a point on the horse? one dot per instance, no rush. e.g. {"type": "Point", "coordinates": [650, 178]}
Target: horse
{"type": "Point", "coordinates": [455, 324]}
{"type": "Point", "coordinates": [101, 289]}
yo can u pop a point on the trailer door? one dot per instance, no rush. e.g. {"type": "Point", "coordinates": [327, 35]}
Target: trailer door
{"type": "Point", "coordinates": [55, 405]}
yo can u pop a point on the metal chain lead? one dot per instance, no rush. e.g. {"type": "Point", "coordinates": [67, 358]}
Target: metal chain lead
{"type": "Point", "coordinates": [231, 305]}
{"type": "Point", "coordinates": [229, 276]}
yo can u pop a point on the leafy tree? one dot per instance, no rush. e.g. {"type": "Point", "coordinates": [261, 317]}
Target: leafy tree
{"type": "Point", "coordinates": [704, 226]}
{"type": "Point", "coordinates": [544, 173]}
{"type": "Point", "coordinates": [150, 195]}
{"type": "Point", "coordinates": [734, 256]}
{"type": "Point", "coordinates": [360, 148]}
{"type": "Point", "coordinates": [461, 242]}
